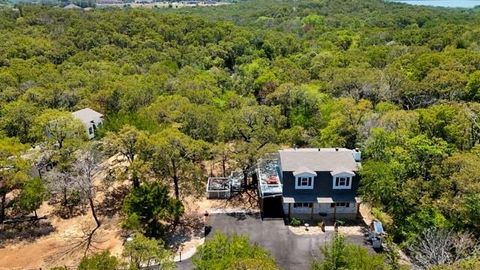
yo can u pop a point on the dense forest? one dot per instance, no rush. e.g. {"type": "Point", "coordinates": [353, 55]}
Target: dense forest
{"type": "Point", "coordinates": [232, 83]}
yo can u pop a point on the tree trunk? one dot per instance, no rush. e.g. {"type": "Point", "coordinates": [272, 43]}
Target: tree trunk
{"type": "Point", "coordinates": [65, 197]}
{"type": "Point", "coordinates": [94, 213]}
{"type": "Point", "coordinates": [175, 180]}
{"type": "Point", "coordinates": [40, 173]}
{"type": "Point", "coordinates": [135, 180]}
{"type": "Point", "coordinates": [2, 207]}
{"type": "Point", "coordinates": [224, 166]}
{"type": "Point", "coordinates": [245, 178]}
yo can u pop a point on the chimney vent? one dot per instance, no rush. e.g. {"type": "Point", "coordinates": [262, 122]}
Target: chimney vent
{"type": "Point", "coordinates": [357, 155]}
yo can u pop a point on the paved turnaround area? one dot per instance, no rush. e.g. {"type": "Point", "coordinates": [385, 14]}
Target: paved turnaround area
{"type": "Point", "coordinates": [290, 251]}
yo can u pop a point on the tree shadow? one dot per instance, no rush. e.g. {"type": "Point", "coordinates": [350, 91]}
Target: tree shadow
{"type": "Point", "coordinates": [246, 199]}
{"type": "Point", "coordinates": [113, 201]}
{"type": "Point", "coordinates": [73, 209]}
{"type": "Point", "coordinates": [192, 225]}
{"type": "Point", "coordinates": [86, 243]}
{"type": "Point", "coordinates": [238, 216]}
{"type": "Point", "coordinates": [68, 212]}
{"type": "Point", "coordinates": [24, 231]}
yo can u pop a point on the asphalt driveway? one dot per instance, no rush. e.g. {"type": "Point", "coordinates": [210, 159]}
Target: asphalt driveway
{"type": "Point", "coordinates": [292, 252]}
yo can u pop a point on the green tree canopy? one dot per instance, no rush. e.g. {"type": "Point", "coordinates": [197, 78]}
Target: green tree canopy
{"type": "Point", "coordinates": [100, 261]}
{"type": "Point", "coordinates": [149, 208]}
{"type": "Point", "coordinates": [143, 252]}
{"type": "Point", "coordinates": [340, 254]}
{"type": "Point", "coordinates": [234, 252]}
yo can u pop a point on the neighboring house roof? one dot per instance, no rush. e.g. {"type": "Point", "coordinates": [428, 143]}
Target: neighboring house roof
{"type": "Point", "coordinates": [318, 160]}
{"type": "Point", "coordinates": [87, 115]}
{"type": "Point", "coordinates": [72, 6]}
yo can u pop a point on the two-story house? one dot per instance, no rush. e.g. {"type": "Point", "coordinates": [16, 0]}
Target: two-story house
{"type": "Point", "coordinates": [320, 182]}
{"type": "Point", "coordinates": [314, 183]}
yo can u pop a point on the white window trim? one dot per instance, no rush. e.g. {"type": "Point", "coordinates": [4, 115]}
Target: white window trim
{"type": "Point", "coordinates": [342, 175]}
{"type": "Point", "coordinates": [305, 175]}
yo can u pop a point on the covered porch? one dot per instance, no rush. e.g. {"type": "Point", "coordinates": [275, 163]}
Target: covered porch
{"type": "Point", "coordinates": [321, 208]}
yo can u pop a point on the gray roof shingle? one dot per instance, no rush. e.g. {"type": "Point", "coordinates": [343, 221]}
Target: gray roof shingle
{"type": "Point", "coordinates": [86, 115]}
{"type": "Point", "coordinates": [318, 160]}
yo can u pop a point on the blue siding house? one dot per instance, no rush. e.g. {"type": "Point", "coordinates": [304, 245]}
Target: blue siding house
{"type": "Point", "coordinates": [320, 183]}
{"type": "Point", "coordinates": [315, 183]}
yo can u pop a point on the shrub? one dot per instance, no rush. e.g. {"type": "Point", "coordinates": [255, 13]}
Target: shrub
{"type": "Point", "coordinates": [295, 222]}
{"type": "Point", "coordinates": [100, 261]}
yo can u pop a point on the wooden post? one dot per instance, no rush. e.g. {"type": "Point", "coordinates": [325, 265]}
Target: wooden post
{"type": "Point", "coordinates": [334, 211]}
{"type": "Point", "coordinates": [289, 209]}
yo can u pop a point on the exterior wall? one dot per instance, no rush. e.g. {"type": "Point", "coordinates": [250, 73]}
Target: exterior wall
{"type": "Point", "coordinates": [324, 208]}
{"type": "Point", "coordinates": [218, 194]}
{"type": "Point", "coordinates": [97, 122]}
{"type": "Point", "coordinates": [322, 186]}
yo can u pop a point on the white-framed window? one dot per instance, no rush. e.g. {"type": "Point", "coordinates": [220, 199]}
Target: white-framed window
{"type": "Point", "coordinates": [304, 182]}
{"type": "Point", "coordinates": [342, 181]}
{"type": "Point", "coordinates": [302, 205]}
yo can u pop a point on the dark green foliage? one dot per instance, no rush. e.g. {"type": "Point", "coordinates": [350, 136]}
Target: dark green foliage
{"type": "Point", "coordinates": [232, 252]}
{"type": "Point", "coordinates": [100, 261]}
{"type": "Point", "coordinates": [32, 196]}
{"type": "Point", "coordinates": [149, 207]}
{"type": "Point", "coordinates": [295, 222]}
{"type": "Point", "coordinates": [340, 254]}
{"type": "Point", "coordinates": [144, 252]}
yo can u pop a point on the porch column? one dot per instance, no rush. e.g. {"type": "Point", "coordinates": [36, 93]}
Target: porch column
{"type": "Point", "coordinates": [261, 205]}
{"type": "Point", "coordinates": [289, 209]}
{"type": "Point", "coordinates": [358, 209]}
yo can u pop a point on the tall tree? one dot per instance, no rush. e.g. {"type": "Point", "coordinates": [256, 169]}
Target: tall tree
{"type": "Point", "coordinates": [255, 131]}
{"type": "Point", "coordinates": [177, 157]}
{"type": "Point", "coordinates": [31, 196]}
{"type": "Point", "coordinates": [85, 168]}
{"type": "Point", "coordinates": [127, 142]}
{"type": "Point", "coordinates": [149, 207]}
{"type": "Point", "coordinates": [18, 120]}
{"type": "Point", "coordinates": [59, 127]}
{"type": "Point", "coordinates": [143, 252]}
{"type": "Point", "coordinates": [13, 170]}
{"type": "Point", "coordinates": [63, 183]}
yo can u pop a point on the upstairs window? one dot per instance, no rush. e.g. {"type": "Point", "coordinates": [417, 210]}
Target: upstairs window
{"type": "Point", "coordinates": [342, 182]}
{"type": "Point", "coordinates": [304, 182]}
